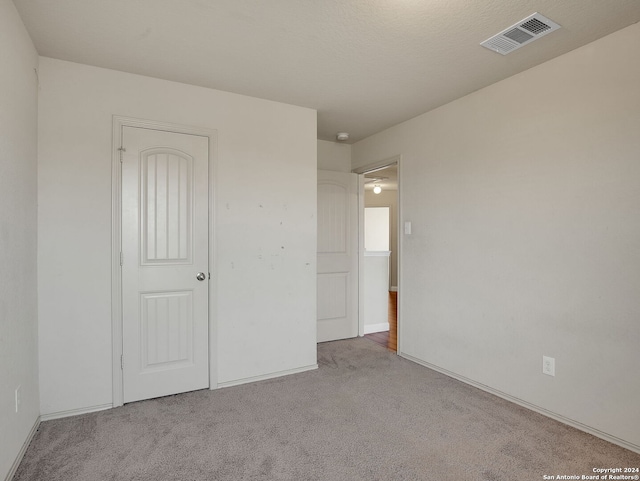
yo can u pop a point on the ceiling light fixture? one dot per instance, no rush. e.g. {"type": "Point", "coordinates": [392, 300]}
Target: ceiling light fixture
{"type": "Point", "coordinates": [342, 136]}
{"type": "Point", "coordinates": [377, 189]}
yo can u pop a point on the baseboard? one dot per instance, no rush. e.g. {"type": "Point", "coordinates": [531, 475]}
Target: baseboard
{"type": "Point", "coordinates": [393, 289]}
{"type": "Point", "coordinates": [75, 412]}
{"type": "Point", "coordinates": [25, 445]}
{"type": "Point", "coordinates": [371, 328]}
{"type": "Point", "coordinates": [550, 414]}
{"type": "Point", "coordinates": [264, 377]}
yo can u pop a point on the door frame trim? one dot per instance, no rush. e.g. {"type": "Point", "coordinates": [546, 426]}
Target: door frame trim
{"type": "Point", "coordinates": [118, 123]}
{"type": "Point", "coordinates": [365, 169]}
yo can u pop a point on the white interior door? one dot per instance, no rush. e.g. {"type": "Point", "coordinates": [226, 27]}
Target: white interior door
{"type": "Point", "coordinates": [164, 248]}
{"type": "Point", "coordinates": [337, 255]}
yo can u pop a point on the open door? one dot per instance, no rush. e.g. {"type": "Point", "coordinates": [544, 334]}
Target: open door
{"type": "Point", "coordinates": [337, 255]}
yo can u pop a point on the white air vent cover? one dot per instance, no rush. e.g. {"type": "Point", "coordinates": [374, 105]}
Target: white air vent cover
{"type": "Point", "coordinates": [526, 31]}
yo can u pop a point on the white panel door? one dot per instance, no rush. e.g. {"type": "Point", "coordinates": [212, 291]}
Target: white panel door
{"type": "Point", "coordinates": [165, 225]}
{"type": "Point", "coordinates": [337, 255]}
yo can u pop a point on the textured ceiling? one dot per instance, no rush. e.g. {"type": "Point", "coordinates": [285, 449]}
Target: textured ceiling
{"type": "Point", "coordinates": [365, 65]}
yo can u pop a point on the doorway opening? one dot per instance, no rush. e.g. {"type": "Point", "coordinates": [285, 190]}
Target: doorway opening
{"type": "Point", "coordinates": [380, 252]}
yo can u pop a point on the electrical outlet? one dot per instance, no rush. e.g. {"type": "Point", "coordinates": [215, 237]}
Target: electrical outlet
{"type": "Point", "coordinates": [548, 365]}
{"type": "Point", "coordinates": [18, 399]}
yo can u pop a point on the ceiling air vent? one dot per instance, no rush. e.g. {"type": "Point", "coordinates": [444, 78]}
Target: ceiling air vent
{"type": "Point", "coordinates": [526, 31]}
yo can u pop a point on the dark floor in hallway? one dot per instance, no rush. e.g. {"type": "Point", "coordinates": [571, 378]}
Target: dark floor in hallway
{"type": "Point", "coordinates": [388, 339]}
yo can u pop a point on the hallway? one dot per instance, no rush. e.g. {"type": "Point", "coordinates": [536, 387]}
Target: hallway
{"type": "Point", "coordinates": [388, 339]}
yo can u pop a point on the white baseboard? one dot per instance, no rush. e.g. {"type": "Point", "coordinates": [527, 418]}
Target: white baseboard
{"type": "Point", "coordinates": [371, 328]}
{"type": "Point", "coordinates": [264, 377]}
{"type": "Point", "coordinates": [75, 412]}
{"type": "Point", "coordinates": [393, 289]}
{"type": "Point", "coordinates": [25, 445]}
{"type": "Point", "coordinates": [550, 414]}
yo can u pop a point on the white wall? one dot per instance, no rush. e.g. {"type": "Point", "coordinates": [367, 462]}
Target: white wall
{"type": "Point", "coordinates": [376, 228]}
{"type": "Point", "coordinates": [18, 300]}
{"type": "Point", "coordinates": [334, 156]}
{"type": "Point", "coordinates": [526, 234]}
{"type": "Point", "coordinates": [375, 291]}
{"type": "Point", "coordinates": [388, 198]}
{"type": "Point", "coordinates": [265, 226]}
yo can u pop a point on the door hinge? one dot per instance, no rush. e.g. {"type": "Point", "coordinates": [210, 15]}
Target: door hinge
{"type": "Point", "coordinates": [121, 149]}
{"type": "Point", "coordinates": [122, 362]}
{"type": "Point", "coordinates": [120, 258]}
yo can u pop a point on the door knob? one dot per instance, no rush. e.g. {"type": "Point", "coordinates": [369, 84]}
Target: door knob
{"type": "Point", "coordinates": [201, 276]}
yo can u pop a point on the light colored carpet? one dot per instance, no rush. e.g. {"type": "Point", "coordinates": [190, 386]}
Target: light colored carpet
{"type": "Point", "coordinates": [365, 414]}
